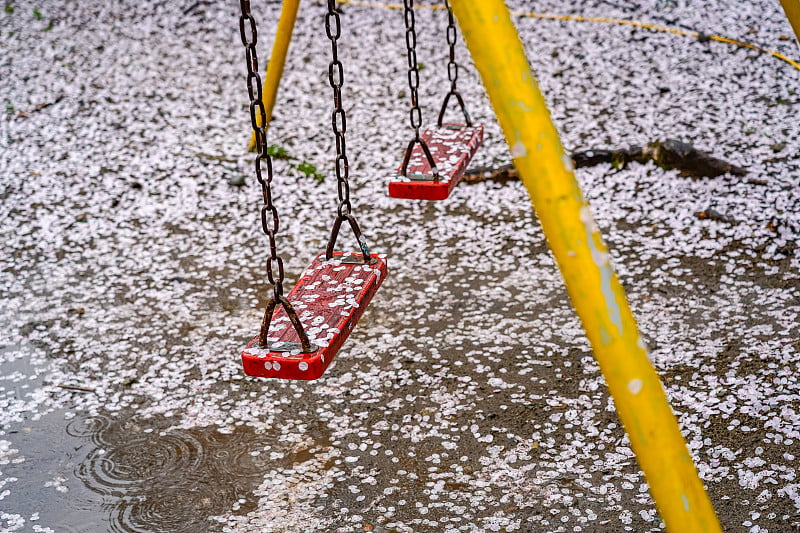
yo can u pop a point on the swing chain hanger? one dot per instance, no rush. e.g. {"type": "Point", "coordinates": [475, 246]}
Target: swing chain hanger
{"type": "Point", "coordinates": [413, 84]}
{"type": "Point", "coordinates": [333, 28]}
{"type": "Point", "coordinates": [413, 67]}
{"type": "Point", "coordinates": [270, 223]}
{"type": "Point", "coordinates": [452, 66]}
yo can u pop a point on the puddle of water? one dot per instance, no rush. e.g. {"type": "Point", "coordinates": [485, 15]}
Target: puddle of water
{"type": "Point", "coordinates": [17, 375]}
{"type": "Point", "coordinates": [158, 479]}
{"type": "Point", "coordinates": [42, 488]}
{"type": "Point", "coordinates": [129, 475]}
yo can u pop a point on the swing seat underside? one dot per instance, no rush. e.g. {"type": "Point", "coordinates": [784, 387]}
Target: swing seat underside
{"type": "Point", "coordinates": [329, 298]}
{"type": "Point", "coordinates": [452, 147]}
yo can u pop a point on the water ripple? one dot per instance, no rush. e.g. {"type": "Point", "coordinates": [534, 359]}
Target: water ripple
{"type": "Point", "coordinates": [87, 426]}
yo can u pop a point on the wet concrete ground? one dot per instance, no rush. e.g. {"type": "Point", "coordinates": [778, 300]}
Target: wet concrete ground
{"type": "Point", "coordinates": [132, 274]}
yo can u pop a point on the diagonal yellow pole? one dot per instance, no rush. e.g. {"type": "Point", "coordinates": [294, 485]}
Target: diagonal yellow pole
{"type": "Point", "coordinates": [583, 259]}
{"type": "Point", "coordinates": [272, 79]}
{"type": "Point", "coordinates": [792, 9]}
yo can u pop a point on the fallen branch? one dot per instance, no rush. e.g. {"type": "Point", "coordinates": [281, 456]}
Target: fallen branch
{"type": "Point", "coordinates": [501, 174]}
{"type": "Point", "coordinates": [669, 154]}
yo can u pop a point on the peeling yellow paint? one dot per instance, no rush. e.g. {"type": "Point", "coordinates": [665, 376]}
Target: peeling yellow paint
{"type": "Point", "coordinates": [518, 150]}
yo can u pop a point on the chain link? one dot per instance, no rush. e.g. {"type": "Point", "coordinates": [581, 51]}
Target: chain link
{"type": "Point", "coordinates": [270, 223]}
{"type": "Point", "coordinates": [415, 114]}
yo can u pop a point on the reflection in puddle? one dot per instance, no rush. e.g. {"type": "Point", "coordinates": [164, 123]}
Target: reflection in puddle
{"type": "Point", "coordinates": [155, 479]}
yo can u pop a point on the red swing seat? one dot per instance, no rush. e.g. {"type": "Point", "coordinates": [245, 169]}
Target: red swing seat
{"type": "Point", "coordinates": [452, 147]}
{"type": "Point", "coordinates": [329, 298]}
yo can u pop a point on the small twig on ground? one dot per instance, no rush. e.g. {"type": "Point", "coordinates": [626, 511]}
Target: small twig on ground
{"type": "Point", "coordinates": [36, 109]}
{"type": "Point", "coordinates": [212, 157]}
{"type": "Point", "coordinates": [75, 388]}
{"type": "Point", "coordinates": [713, 214]}
{"type": "Point", "coordinates": [194, 6]}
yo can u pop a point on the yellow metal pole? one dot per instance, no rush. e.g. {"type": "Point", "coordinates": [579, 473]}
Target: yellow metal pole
{"type": "Point", "coordinates": [792, 9]}
{"type": "Point", "coordinates": [277, 60]}
{"type": "Point", "coordinates": [583, 259]}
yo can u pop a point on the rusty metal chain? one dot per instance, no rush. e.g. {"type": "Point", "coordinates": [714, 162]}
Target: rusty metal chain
{"type": "Point", "coordinates": [452, 69]}
{"type": "Point", "coordinates": [333, 28]}
{"type": "Point", "coordinates": [452, 66]}
{"type": "Point", "coordinates": [415, 113]}
{"type": "Point", "coordinates": [413, 67]}
{"type": "Point", "coordinates": [270, 223]}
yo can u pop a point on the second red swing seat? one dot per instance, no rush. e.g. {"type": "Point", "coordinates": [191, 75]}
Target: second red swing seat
{"type": "Point", "coordinates": [452, 147]}
{"type": "Point", "coordinates": [329, 298]}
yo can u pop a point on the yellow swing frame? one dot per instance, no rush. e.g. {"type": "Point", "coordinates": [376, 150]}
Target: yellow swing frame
{"type": "Point", "coordinates": [599, 299]}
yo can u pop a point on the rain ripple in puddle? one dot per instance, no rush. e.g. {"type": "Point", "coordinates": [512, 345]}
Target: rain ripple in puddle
{"type": "Point", "coordinates": [158, 479]}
